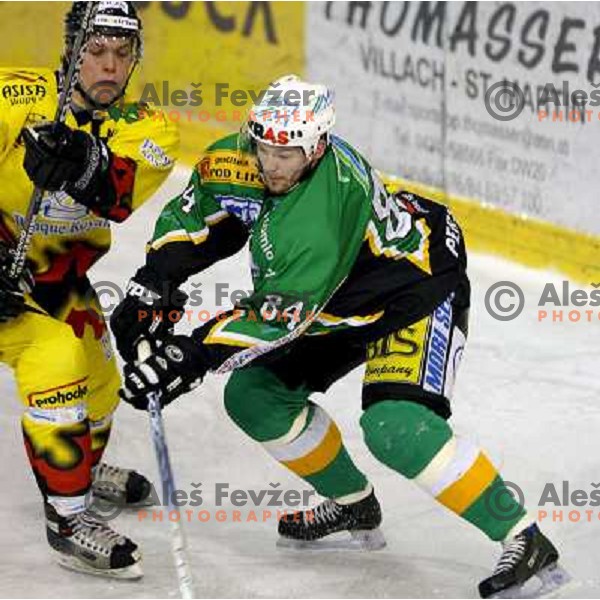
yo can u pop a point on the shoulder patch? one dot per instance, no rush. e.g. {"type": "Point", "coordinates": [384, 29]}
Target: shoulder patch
{"type": "Point", "coordinates": [228, 166]}
{"type": "Point", "coordinates": [155, 155]}
{"type": "Point", "coordinates": [24, 87]}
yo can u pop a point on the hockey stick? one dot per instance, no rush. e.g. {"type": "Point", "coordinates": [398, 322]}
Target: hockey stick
{"type": "Point", "coordinates": [178, 545]}
{"type": "Point", "coordinates": [64, 101]}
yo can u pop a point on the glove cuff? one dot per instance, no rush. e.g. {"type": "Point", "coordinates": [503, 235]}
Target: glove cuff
{"type": "Point", "coordinates": [209, 357]}
{"type": "Point", "coordinates": [138, 288]}
{"type": "Point", "coordinates": [97, 161]}
{"type": "Point", "coordinates": [147, 285]}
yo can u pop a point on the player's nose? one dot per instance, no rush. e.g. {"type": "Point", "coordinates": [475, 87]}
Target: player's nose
{"type": "Point", "coordinates": [270, 165]}
{"type": "Point", "coordinates": [109, 62]}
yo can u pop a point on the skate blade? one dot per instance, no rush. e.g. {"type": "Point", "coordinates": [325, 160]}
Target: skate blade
{"type": "Point", "coordinates": [132, 572]}
{"type": "Point", "coordinates": [365, 541]}
{"type": "Point", "coordinates": [549, 580]}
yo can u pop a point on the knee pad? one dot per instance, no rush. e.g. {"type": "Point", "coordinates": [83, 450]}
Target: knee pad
{"type": "Point", "coordinates": [295, 432]}
{"type": "Point", "coordinates": [261, 405]}
{"type": "Point", "coordinates": [53, 373]}
{"type": "Point", "coordinates": [404, 435]}
{"type": "Point", "coordinates": [415, 442]}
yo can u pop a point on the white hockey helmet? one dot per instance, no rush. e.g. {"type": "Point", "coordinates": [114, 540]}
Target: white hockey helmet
{"type": "Point", "coordinates": [292, 112]}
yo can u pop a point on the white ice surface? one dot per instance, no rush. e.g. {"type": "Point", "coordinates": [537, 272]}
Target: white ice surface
{"type": "Point", "coordinates": [528, 392]}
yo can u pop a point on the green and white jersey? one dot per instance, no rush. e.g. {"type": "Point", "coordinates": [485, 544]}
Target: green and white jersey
{"type": "Point", "coordinates": [335, 255]}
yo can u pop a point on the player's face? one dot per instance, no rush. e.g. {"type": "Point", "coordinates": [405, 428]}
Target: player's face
{"type": "Point", "coordinates": [106, 66]}
{"type": "Point", "coordinates": [282, 167]}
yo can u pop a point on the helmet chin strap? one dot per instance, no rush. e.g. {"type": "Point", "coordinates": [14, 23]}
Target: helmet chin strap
{"type": "Point", "coordinates": [91, 104]}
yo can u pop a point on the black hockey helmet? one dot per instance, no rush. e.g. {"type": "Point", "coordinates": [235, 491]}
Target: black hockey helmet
{"type": "Point", "coordinates": [114, 19]}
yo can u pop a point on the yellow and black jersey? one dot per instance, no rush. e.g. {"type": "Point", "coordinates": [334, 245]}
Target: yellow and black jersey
{"type": "Point", "coordinates": [69, 237]}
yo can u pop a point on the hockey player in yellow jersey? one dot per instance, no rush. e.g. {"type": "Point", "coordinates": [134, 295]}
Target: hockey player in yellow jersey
{"type": "Point", "coordinates": [95, 169]}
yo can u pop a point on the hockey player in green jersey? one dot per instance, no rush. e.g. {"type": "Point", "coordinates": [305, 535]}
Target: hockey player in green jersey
{"type": "Point", "coordinates": [344, 273]}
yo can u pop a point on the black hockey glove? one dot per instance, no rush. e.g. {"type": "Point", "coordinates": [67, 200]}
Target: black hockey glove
{"type": "Point", "coordinates": [149, 310]}
{"type": "Point", "coordinates": [12, 301]}
{"type": "Point", "coordinates": [60, 158]}
{"type": "Point", "coordinates": [176, 367]}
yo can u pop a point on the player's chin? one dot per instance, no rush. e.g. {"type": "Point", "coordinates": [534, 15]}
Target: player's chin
{"type": "Point", "coordinates": [279, 186]}
{"type": "Point", "coordinates": [104, 93]}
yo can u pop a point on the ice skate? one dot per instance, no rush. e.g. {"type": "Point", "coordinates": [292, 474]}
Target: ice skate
{"type": "Point", "coordinates": [85, 544]}
{"type": "Point", "coordinates": [528, 568]}
{"type": "Point", "coordinates": [317, 528]}
{"type": "Point", "coordinates": [122, 487]}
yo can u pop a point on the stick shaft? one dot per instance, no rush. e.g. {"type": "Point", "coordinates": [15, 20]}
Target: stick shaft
{"type": "Point", "coordinates": [178, 545]}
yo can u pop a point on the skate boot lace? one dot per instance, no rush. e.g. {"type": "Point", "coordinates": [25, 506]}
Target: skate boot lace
{"type": "Point", "coordinates": [107, 475]}
{"type": "Point", "coordinates": [93, 534]}
{"type": "Point", "coordinates": [512, 553]}
{"type": "Point", "coordinates": [326, 511]}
